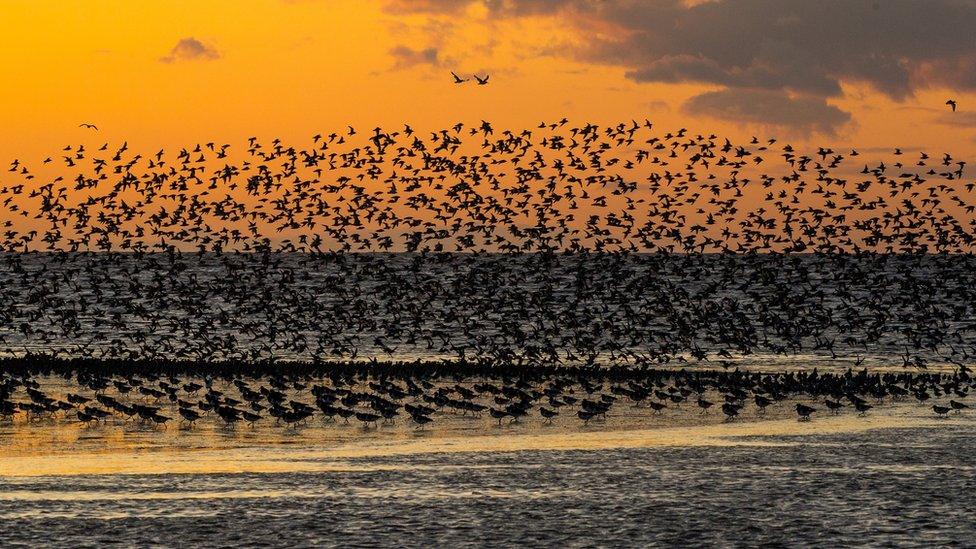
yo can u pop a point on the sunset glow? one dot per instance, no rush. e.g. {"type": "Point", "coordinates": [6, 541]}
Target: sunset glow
{"type": "Point", "coordinates": [293, 68]}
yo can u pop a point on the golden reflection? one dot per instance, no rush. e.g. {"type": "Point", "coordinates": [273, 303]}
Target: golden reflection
{"type": "Point", "coordinates": [53, 448]}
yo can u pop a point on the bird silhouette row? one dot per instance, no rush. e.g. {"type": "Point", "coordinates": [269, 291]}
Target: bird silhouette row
{"type": "Point", "coordinates": [295, 399]}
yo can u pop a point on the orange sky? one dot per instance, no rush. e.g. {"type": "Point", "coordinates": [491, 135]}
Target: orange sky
{"type": "Point", "coordinates": [292, 68]}
{"type": "Point", "coordinates": [175, 74]}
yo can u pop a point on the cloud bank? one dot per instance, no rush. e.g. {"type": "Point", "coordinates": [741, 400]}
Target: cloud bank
{"type": "Point", "coordinates": [791, 56]}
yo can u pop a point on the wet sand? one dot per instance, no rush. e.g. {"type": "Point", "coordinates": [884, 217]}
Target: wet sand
{"type": "Point", "coordinates": [896, 476]}
{"type": "Point", "coordinates": [69, 448]}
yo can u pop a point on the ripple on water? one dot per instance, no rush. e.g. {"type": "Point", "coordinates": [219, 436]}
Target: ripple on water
{"type": "Point", "coordinates": [895, 486]}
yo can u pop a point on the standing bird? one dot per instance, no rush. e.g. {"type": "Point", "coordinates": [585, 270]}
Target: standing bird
{"type": "Point", "coordinates": [704, 405]}
{"type": "Point", "coordinates": [804, 411]}
{"type": "Point", "coordinates": [862, 407]}
{"type": "Point", "coordinates": [548, 414]}
{"type": "Point", "coordinates": [189, 415]}
{"type": "Point", "coordinates": [731, 411]}
{"type": "Point", "coordinates": [957, 406]}
{"type": "Point", "coordinates": [833, 406]}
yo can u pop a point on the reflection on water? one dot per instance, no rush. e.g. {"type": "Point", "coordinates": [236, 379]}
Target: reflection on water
{"type": "Point", "coordinates": [62, 445]}
{"type": "Point", "coordinates": [908, 486]}
{"type": "Point", "coordinates": [895, 476]}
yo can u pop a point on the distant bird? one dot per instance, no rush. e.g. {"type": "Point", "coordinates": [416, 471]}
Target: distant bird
{"type": "Point", "coordinates": [951, 103]}
{"type": "Point", "coordinates": [458, 79]}
{"type": "Point", "coordinates": [704, 405]}
{"type": "Point", "coordinates": [548, 414]}
{"type": "Point", "coordinates": [367, 417]}
{"type": "Point", "coordinates": [656, 407]}
{"type": "Point", "coordinates": [189, 415]}
{"type": "Point", "coordinates": [804, 411]}
{"type": "Point", "coordinates": [498, 414]}
{"type": "Point", "coordinates": [862, 407]}
{"type": "Point", "coordinates": [762, 403]}
{"type": "Point", "coordinates": [941, 411]}
{"type": "Point", "coordinates": [585, 416]}
{"type": "Point", "coordinates": [731, 411]}
{"type": "Point", "coordinates": [250, 417]}
{"type": "Point", "coordinates": [421, 420]}
{"type": "Point", "coordinates": [89, 126]}
{"type": "Point", "coordinates": [482, 81]}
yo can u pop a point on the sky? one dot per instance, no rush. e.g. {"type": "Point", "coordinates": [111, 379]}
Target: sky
{"type": "Point", "coordinates": [865, 73]}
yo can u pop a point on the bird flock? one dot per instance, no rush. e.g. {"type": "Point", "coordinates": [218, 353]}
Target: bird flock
{"type": "Point", "coordinates": [578, 247]}
{"type": "Point", "coordinates": [555, 188]}
{"type": "Point", "coordinates": [382, 395]}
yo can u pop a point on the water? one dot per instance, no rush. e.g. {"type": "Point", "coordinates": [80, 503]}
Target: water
{"type": "Point", "coordinates": [895, 487]}
{"type": "Point", "coordinates": [895, 477]}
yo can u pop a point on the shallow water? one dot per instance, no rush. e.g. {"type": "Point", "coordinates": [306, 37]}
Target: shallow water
{"type": "Point", "coordinates": [61, 444]}
{"type": "Point", "coordinates": [896, 476]}
{"type": "Point", "coordinates": [891, 486]}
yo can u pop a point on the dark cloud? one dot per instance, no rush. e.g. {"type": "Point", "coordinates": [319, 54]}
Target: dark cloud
{"type": "Point", "coordinates": [406, 57]}
{"type": "Point", "coordinates": [189, 49]}
{"type": "Point", "coordinates": [679, 68]}
{"type": "Point", "coordinates": [808, 46]}
{"type": "Point", "coordinates": [804, 114]}
{"type": "Point", "coordinates": [518, 8]}
{"type": "Point", "coordinates": [795, 47]}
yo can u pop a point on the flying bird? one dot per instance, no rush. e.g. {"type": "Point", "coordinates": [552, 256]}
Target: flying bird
{"type": "Point", "coordinates": [482, 81]}
{"type": "Point", "coordinates": [952, 103]}
{"type": "Point", "coordinates": [89, 126]}
{"type": "Point", "coordinates": [458, 79]}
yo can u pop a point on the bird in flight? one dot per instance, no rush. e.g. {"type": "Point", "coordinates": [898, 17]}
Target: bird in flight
{"type": "Point", "coordinates": [458, 79]}
{"type": "Point", "coordinates": [89, 126]}
{"type": "Point", "coordinates": [952, 103]}
{"type": "Point", "coordinates": [482, 81]}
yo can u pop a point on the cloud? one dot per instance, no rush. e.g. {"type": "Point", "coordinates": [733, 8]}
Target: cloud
{"type": "Point", "coordinates": [957, 119]}
{"type": "Point", "coordinates": [802, 114]}
{"type": "Point", "coordinates": [657, 106]}
{"type": "Point", "coordinates": [810, 47]}
{"type": "Point", "coordinates": [426, 6]}
{"type": "Point", "coordinates": [190, 49]}
{"type": "Point", "coordinates": [795, 48]}
{"type": "Point", "coordinates": [406, 57]}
